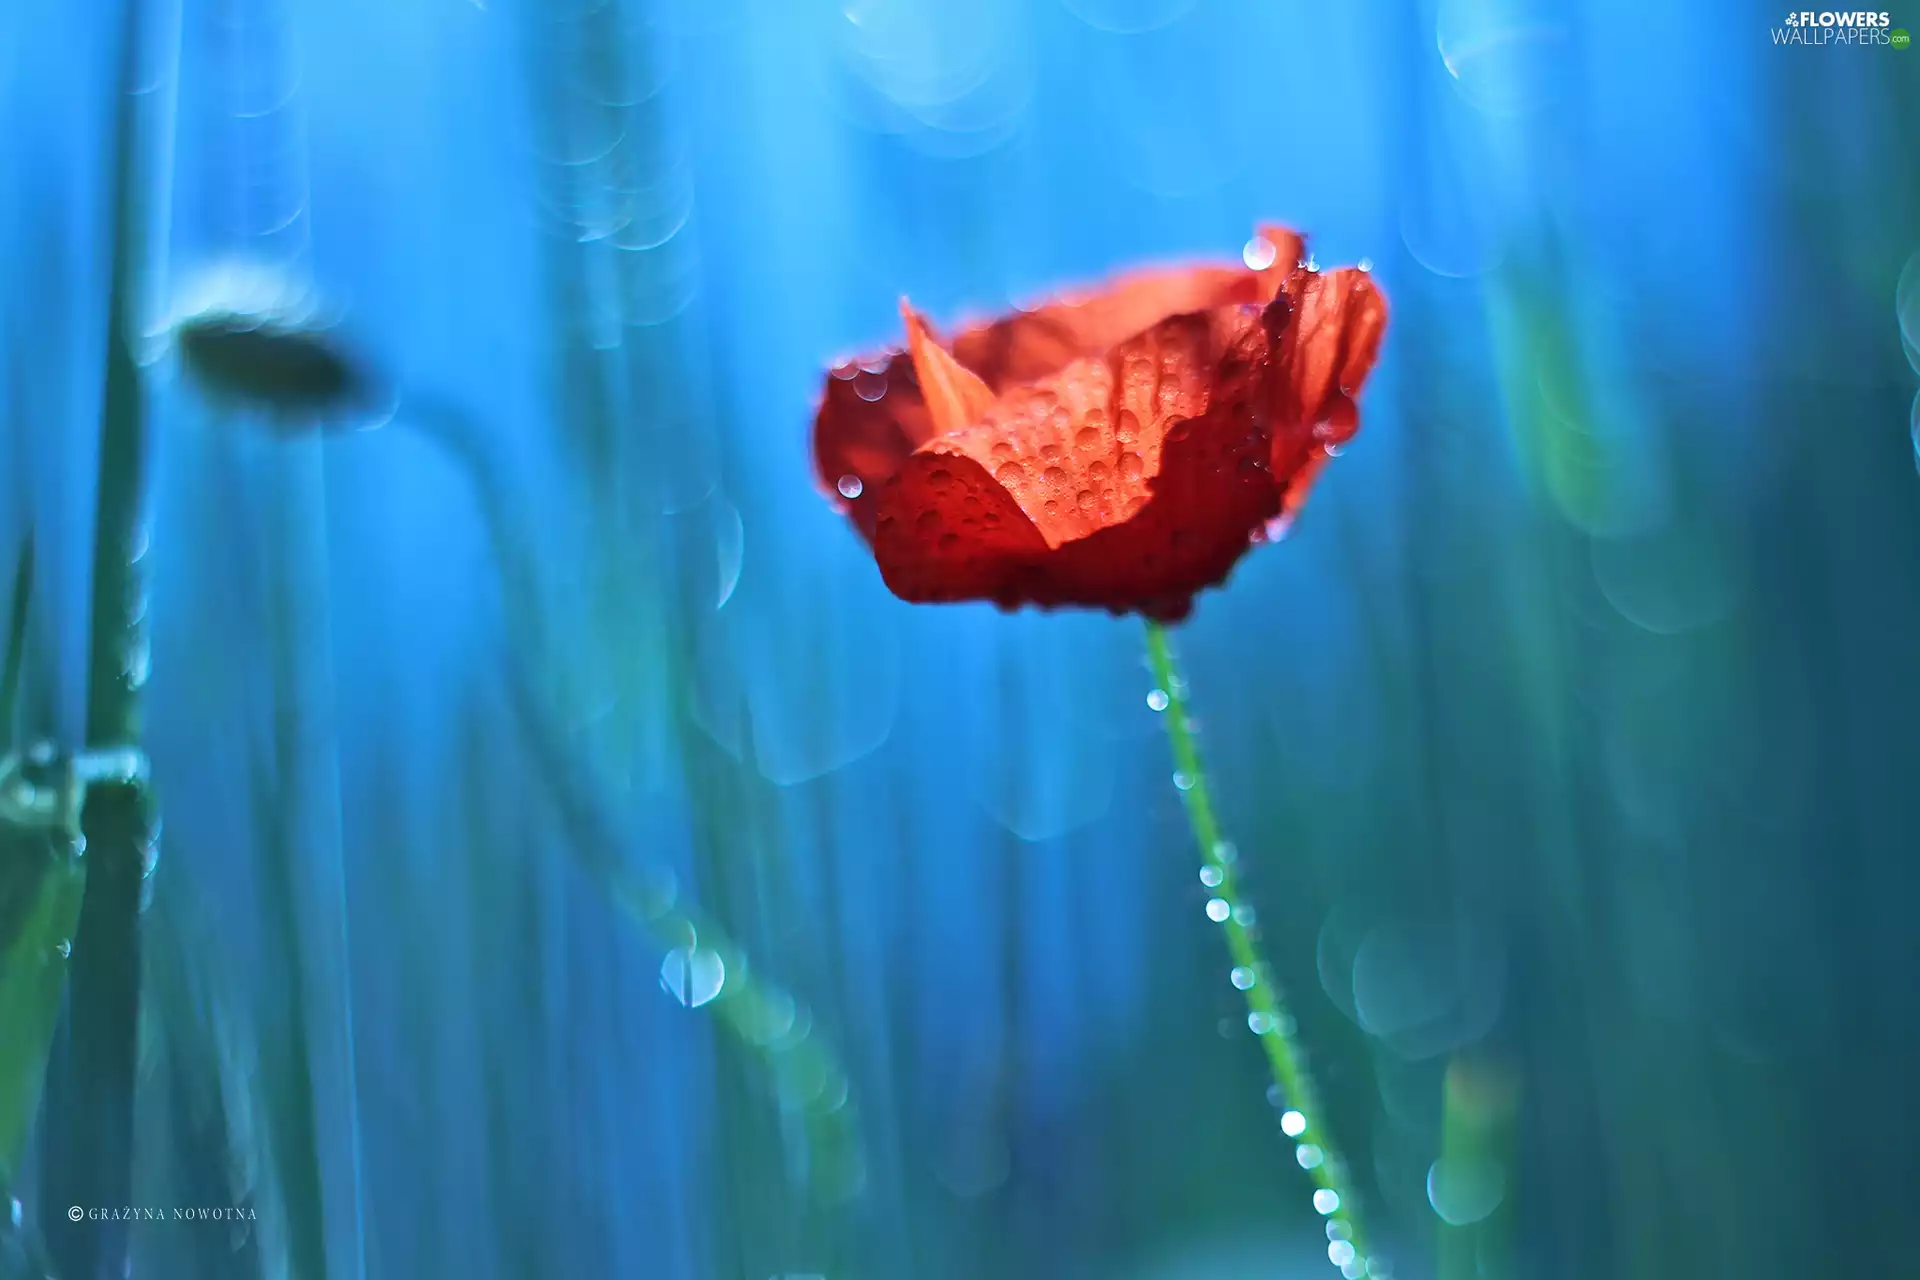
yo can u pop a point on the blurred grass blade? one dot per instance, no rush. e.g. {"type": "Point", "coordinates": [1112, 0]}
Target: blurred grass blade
{"type": "Point", "coordinates": [16, 651]}
{"type": "Point", "coordinates": [90, 1092]}
{"type": "Point", "coordinates": [286, 1051]}
{"type": "Point", "coordinates": [204, 1138]}
{"type": "Point", "coordinates": [41, 884]}
{"type": "Point", "coordinates": [761, 1017]}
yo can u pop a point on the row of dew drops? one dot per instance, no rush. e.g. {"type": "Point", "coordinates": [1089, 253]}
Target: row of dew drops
{"type": "Point", "coordinates": [1341, 1251]}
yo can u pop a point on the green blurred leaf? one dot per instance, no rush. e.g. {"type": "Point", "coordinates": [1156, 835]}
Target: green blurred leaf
{"type": "Point", "coordinates": [16, 650]}
{"type": "Point", "coordinates": [41, 883]}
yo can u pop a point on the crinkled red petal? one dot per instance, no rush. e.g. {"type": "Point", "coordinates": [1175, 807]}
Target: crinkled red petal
{"type": "Point", "coordinates": [1138, 441]}
{"type": "Point", "coordinates": [871, 419]}
{"type": "Point", "coordinates": [1321, 360]}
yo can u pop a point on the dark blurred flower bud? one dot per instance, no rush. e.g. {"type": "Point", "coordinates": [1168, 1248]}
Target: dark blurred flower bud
{"type": "Point", "coordinates": [249, 349]}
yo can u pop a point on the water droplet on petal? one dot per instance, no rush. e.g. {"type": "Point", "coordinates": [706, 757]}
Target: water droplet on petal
{"type": "Point", "coordinates": [850, 487]}
{"type": "Point", "coordinates": [1259, 253]}
{"type": "Point", "coordinates": [1010, 474]}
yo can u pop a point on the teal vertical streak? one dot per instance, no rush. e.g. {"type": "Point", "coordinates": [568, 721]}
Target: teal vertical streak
{"type": "Point", "coordinates": [309, 821]}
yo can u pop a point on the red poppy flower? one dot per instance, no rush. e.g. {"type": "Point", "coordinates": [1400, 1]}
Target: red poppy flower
{"type": "Point", "coordinates": [1118, 450]}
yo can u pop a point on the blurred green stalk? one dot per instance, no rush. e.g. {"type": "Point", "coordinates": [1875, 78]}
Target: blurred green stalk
{"type": "Point", "coordinates": [41, 882]}
{"type": "Point", "coordinates": [1479, 1101]}
{"type": "Point", "coordinates": [40, 886]}
{"type": "Point", "coordinates": [802, 1064]}
{"type": "Point", "coordinates": [16, 640]}
{"type": "Point", "coordinates": [1267, 1015]}
{"type": "Point", "coordinates": [90, 1087]}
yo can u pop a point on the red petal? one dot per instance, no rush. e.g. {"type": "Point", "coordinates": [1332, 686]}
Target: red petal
{"type": "Point", "coordinates": [1194, 382]}
{"type": "Point", "coordinates": [955, 396]}
{"type": "Point", "coordinates": [1126, 482]}
{"type": "Point", "coordinates": [1289, 251]}
{"type": "Point", "coordinates": [1117, 450]}
{"type": "Point", "coordinates": [945, 531]}
{"type": "Point", "coordinates": [1028, 345]}
{"type": "Point", "coordinates": [871, 419]}
{"type": "Point", "coordinates": [1338, 321]}
{"type": "Point", "coordinates": [1320, 362]}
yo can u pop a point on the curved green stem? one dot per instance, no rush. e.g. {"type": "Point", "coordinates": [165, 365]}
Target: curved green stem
{"type": "Point", "coordinates": [758, 1013]}
{"type": "Point", "coordinates": [1267, 1016]}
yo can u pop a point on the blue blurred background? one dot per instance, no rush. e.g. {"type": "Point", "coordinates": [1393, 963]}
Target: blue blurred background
{"type": "Point", "coordinates": [577, 864]}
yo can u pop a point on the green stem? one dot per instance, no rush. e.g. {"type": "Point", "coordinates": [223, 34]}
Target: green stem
{"type": "Point", "coordinates": [89, 1100]}
{"type": "Point", "coordinates": [16, 650]}
{"type": "Point", "coordinates": [1267, 1014]}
